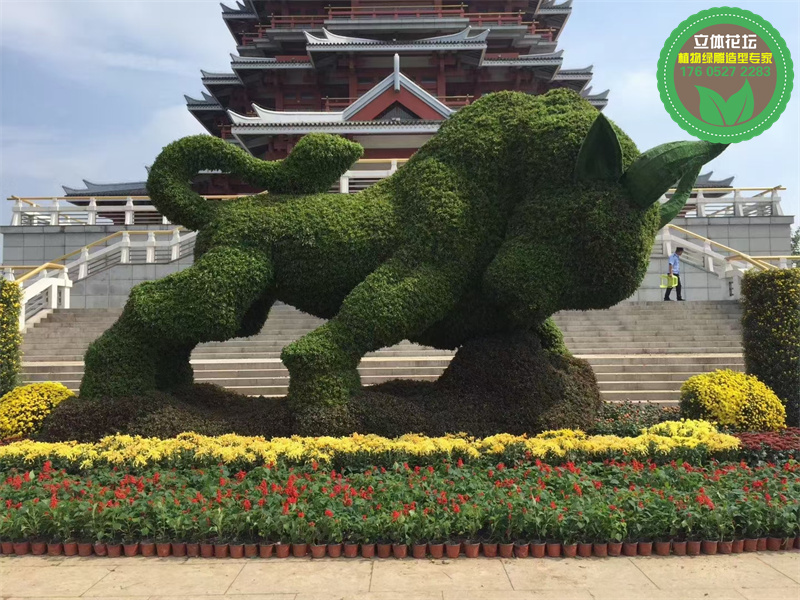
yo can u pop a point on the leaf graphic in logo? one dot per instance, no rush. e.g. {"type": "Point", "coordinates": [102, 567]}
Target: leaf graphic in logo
{"type": "Point", "coordinates": [710, 106]}
{"type": "Point", "coordinates": [716, 111]}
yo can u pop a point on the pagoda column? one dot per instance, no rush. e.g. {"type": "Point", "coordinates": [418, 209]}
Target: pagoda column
{"type": "Point", "coordinates": [441, 80]}
{"type": "Point", "coordinates": [352, 79]}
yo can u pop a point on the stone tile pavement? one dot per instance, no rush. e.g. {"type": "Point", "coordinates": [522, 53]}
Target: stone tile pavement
{"type": "Point", "coordinates": [763, 576]}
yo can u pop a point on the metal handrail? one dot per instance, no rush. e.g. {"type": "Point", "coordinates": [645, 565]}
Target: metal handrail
{"type": "Point", "coordinates": [738, 255]}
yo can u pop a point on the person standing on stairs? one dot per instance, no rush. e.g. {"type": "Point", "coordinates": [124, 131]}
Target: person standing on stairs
{"type": "Point", "coordinates": [675, 269]}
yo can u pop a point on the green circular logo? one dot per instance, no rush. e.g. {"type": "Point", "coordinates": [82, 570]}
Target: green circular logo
{"type": "Point", "coordinates": [725, 75]}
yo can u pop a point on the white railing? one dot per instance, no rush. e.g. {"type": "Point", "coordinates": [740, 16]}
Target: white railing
{"type": "Point", "coordinates": [44, 288]}
{"type": "Point", "coordinates": [44, 292]}
{"type": "Point", "coordinates": [707, 255]}
{"type": "Point", "coordinates": [137, 210]}
{"type": "Point", "coordinates": [733, 202]}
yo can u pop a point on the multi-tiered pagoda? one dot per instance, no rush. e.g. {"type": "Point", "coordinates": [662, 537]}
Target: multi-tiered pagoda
{"type": "Point", "coordinates": [385, 74]}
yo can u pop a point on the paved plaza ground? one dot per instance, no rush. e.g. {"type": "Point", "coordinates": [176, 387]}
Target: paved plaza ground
{"type": "Point", "coordinates": [762, 576]}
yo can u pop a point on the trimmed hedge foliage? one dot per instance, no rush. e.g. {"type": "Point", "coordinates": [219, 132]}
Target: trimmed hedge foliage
{"type": "Point", "coordinates": [10, 338]}
{"type": "Point", "coordinates": [519, 207]}
{"type": "Point", "coordinates": [771, 333]}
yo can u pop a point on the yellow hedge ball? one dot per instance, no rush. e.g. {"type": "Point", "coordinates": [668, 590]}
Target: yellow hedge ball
{"type": "Point", "coordinates": [23, 409]}
{"type": "Point", "coordinates": [732, 399]}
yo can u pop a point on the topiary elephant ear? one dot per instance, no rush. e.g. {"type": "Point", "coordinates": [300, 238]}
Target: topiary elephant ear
{"type": "Point", "coordinates": [314, 165]}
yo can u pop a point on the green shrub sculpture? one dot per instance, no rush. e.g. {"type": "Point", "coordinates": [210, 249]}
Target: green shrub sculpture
{"type": "Point", "coordinates": [771, 333]}
{"type": "Point", "coordinates": [519, 207]}
{"type": "Point", "coordinates": [10, 338]}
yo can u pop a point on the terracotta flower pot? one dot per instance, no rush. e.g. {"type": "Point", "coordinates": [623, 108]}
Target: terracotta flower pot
{"type": "Point", "coordinates": [761, 544]}
{"type": "Point", "coordinates": [521, 550]}
{"type": "Point", "coordinates": [282, 550]}
{"type": "Point", "coordinates": [114, 550]}
{"type": "Point", "coordinates": [350, 550]}
{"type": "Point", "coordinates": [38, 548]}
{"type": "Point", "coordinates": [630, 548]}
{"type": "Point", "coordinates": [774, 544]}
{"type": "Point", "coordinates": [737, 546]}
{"type": "Point", "coordinates": [538, 549]}
{"type": "Point", "coordinates": [55, 548]}
{"type": "Point", "coordinates": [584, 549]}
{"type": "Point", "coordinates": [725, 547]}
{"type": "Point", "coordinates": [70, 548]}
{"type": "Point", "coordinates": [453, 549]}
{"type": "Point", "coordinates": [693, 548]}
{"type": "Point", "coordinates": [178, 548]}
{"type": "Point", "coordinates": [788, 543]}
{"type": "Point", "coordinates": [645, 548]}
{"type": "Point", "coordinates": [250, 550]}
{"type": "Point", "coordinates": [679, 548]}
{"type": "Point", "coordinates": [100, 549]}
{"type": "Point", "coordinates": [22, 548]}
{"type": "Point", "coordinates": [131, 549]}
{"type": "Point", "coordinates": [663, 548]}
{"type": "Point", "coordinates": [472, 549]}
{"type": "Point", "coordinates": [600, 550]}
{"type": "Point", "coordinates": [318, 550]}
{"type": "Point", "coordinates": [569, 550]}
{"type": "Point", "coordinates": [400, 550]}
{"type": "Point", "coordinates": [553, 549]}
{"type": "Point", "coordinates": [206, 550]}
{"type": "Point", "coordinates": [221, 550]}
{"type": "Point", "coordinates": [367, 550]}
{"type": "Point", "coordinates": [489, 549]}
{"type": "Point", "coordinates": [335, 550]}
{"type": "Point", "coordinates": [145, 548]}
{"type": "Point", "coordinates": [384, 550]}
{"type": "Point", "coordinates": [7, 547]}
{"type": "Point", "coordinates": [419, 550]}
{"type": "Point", "coordinates": [84, 549]}
{"type": "Point", "coordinates": [506, 550]}
{"type": "Point", "coordinates": [163, 549]}
{"type": "Point", "coordinates": [299, 550]}
{"type": "Point", "coordinates": [265, 549]}
{"type": "Point", "coordinates": [192, 549]}
{"type": "Point", "coordinates": [614, 548]}
{"type": "Point", "coordinates": [236, 550]}
{"type": "Point", "coordinates": [797, 542]}
{"type": "Point", "coordinates": [750, 545]}
{"type": "Point", "coordinates": [436, 550]}
{"type": "Point", "coordinates": [710, 546]}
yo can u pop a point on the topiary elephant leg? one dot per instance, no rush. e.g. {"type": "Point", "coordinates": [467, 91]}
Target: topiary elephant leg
{"type": "Point", "coordinates": [394, 302]}
{"type": "Point", "coordinates": [149, 346]}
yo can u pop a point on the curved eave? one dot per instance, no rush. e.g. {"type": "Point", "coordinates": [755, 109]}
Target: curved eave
{"type": "Point", "coordinates": [343, 128]}
{"type": "Point", "coordinates": [392, 47]}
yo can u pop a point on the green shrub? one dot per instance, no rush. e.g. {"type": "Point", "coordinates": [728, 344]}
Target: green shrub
{"type": "Point", "coordinates": [629, 418]}
{"type": "Point", "coordinates": [734, 400]}
{"type": "Point", "coordinates": [23, 409]}
{"type": "Point", "coordinates": [771, 333]}
{"type": "Point", "coordinates": [10, 338]}
{"type": "Point", "coordinates": [202, 408]}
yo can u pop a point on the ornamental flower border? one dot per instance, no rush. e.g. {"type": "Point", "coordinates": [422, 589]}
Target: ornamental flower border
{"type": "Point", "coordinates": [526, 509]}
{"type": "Point", "coordinates": [697, 441]}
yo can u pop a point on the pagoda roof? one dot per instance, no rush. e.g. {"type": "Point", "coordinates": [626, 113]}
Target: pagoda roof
{"type": "Point", "coordinates": [704, 181]}
{"type": "Point", "coordinates": [396, 83]}
{"type": "Point", "coordinates": [531, 60]}
{"type": "Point", "coordinates": [549, 7]}
{"type": "Point", "coordinates": [258, 62]}
{"type": "Point", "coordinates": [212, 78]}
{"type": "Point", "coordinates": [132, 188]}
{"type": "Point", "coordinates": [239, 12]}
{"type": "Point", "coordinates": [454, 41]}
{"type": "Point", "coordinates": [599, 100]}
{"type": "Point", "coordinates": [208, 102]}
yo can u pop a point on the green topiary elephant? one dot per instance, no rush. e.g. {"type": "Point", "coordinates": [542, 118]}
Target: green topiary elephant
{"type": "Point", "coordinates": [519, 207]}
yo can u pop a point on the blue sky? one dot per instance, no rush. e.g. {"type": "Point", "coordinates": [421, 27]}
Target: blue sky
{"type": "Point", "coordinates": [94, 89]}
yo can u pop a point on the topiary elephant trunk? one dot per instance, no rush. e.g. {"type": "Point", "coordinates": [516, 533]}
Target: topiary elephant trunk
{"type": "Point", "coordinates": [519, 207]}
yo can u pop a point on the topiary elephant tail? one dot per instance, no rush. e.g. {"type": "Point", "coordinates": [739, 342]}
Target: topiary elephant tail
{"type": "Point", "coordinates": [316, 162]}
{"type": "Point", "coordinates": [670, 209]}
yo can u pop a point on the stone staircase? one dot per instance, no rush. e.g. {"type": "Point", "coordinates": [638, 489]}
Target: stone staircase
{"type": "Point", "coordinates": [639, 350]}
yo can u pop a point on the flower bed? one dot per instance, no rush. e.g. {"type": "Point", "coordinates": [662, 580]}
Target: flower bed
{"type": "Point", "coordinates": [529, 503]}
{"type": "Point", "coordinates": [690, 440]}
{"type": "Point", "coordinates": [771, 446]}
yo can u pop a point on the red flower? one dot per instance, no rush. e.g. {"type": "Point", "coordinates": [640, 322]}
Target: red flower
{"type": "Point", "coordinates": [328, 512]}
{"type": "Point", "coordinates": [301, 514]}
{"type": "Point", "coordinates": [247, 505]}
